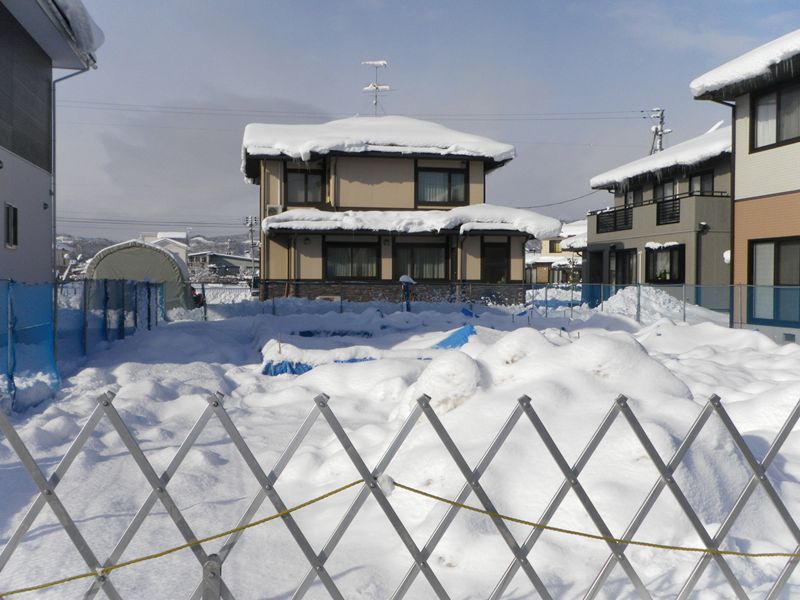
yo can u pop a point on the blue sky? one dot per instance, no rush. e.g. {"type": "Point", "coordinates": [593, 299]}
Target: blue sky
{"type": "Point", "coordinates": [154, 133]}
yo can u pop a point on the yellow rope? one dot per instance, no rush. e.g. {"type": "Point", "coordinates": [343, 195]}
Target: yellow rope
{"type": "Point", "coordinates": [141, 559]}
{"type": "Point", "coordinates": [594, 536]}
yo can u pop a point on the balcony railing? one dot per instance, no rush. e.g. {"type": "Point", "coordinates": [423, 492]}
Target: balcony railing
{"type": "Point", "coordinates": [616, 219]}
{"type": "Point", "coordinates": [668, 211]}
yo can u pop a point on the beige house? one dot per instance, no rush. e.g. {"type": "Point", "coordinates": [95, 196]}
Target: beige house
{"type": "Point", "coordinates": [670, 223]}
{"type": "Point", "coordinates": [763, 89]}
{"type": "Point", "coordinates": [558, 259]}
{"type": "Point", "coordinates": [368, 200]}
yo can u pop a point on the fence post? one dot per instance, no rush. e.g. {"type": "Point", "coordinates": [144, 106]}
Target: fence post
{"type": "Point", "coordinates": [149, 306]}
{"type": "Point", "coordinates": [546, 309]}
{"type": "Point", "coordinates": [123, 314]}
{"type": "Point", "coordinates": [205, 304]}
{"type": "Point", "coordinates": [85, 323]}
{"type": "Point", "coordinates": [212, 577]}
{"type": "Point", "coordinates": [638, 302]}
{"type": "Point", "coordinates": [571, 298]}
{"type": "Point", "coordinates": [684, 303]}
{"type": "Point", "coordinates": [105, 309]}
{"type": "Point", "coordinates": [135, 306]}
{"type": "Point", "coordinates": [10, 317]}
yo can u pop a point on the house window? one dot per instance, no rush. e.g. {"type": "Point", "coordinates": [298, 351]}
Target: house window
{"type": "Point", "coordinates": [665, 189]}
{"type": "Point", "coordinates": [555, 246]}
{"type": "Point", "coordinates": [776, 117]}
{"type": "Point", "coordinates": [775, 276]}
{"type": "Point", "coordinates": [12, 226]}
{"type": "Point", "coordinates": [634, 197]}
{"type": "Point", "coordinates": [622, 267]}
{"type": "Point", "coordinates": [304, 186]}
{"type": "Point", "coordinates": [496, 263]}
{"type": "Point", "coordinates": [420, 262]}
{"type": "Point", "coordinates": [351, 261]}
{"type": "Point", "coordinates": [702, 183]}
{"type": "Point", "coordinates": [441, 186]}
{"type": "Point", "coordinates": [666, 265]}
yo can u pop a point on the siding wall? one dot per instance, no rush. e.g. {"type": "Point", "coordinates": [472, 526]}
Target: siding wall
{"type": "Point", "coordinates": [25, 99]}
{"type": "Point", "coordinates": [772, 171]}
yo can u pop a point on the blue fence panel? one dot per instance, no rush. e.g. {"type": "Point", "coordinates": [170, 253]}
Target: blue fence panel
{"type": "Point", "coordinates": [6, 385]}
{"type": "Point", "coordinates": [70, 342]}
{"type": "Point", "coordinates": [33, 344]}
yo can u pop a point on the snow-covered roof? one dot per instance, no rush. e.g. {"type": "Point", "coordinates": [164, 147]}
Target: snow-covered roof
{"type": "Point", "coordinates": [463, 218]}
{"type": "Point", "coordinates": [573, 228]}
{"type": "Point", "coordinates": [390, 134]}
{"type": "Point", "coordinates": [87, 33]}
{"type": "Point", "coordinates": [212, 253]}
{"type": "Point", "coordinates": [711, 144]}
{"type": "Point", "coordinates": [750, 65]}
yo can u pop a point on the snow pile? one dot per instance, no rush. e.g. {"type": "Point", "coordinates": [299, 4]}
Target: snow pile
{"type": "Point", "coordinates": [389, 134]}
{"type": "Point", "coordinates": [87, 33]}
{"type": "Point", "coordinates": [163, 378]}
{"type": "Point", "coordinates": [752, 64]}
{"type": "Point", "coordinates": [463, 218]}
{"type": "Point", "coordinates": [659, 245]}
{"type": "Point", "coordinates": [691, 152]}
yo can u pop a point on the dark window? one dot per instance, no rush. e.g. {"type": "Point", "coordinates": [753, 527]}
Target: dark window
{"type": "Point", "coordinates": [622, 267]}
{"type": "Point", "coordinates": [666, 265]}
{"type": "Point", "coordinates": [634, 197]}
{"type": "Point", "coordinates": [776, 117]}
{"type": "Point", "coordinates": [441, 186]}
{"type": "Point", "coordinates": [351, 261]}
{"type": "Point", "coordinates": [775, 276]}
{"type": "Point", "coordinates": [495, 263]}
{"type": "Point", "coordinates": [555, 246]}
{"type": "Point", "coordinates": [702, 183]}
{"type": "Point", "coordinates": [304, 187]}
{"type": "Point", "coordinates": [12, 226]}
{"type": "Point", "coordinates": [425, 262]}
{"type": "Point", "coordinates": [665, 189]}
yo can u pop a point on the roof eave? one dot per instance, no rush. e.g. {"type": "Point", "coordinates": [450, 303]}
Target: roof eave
{"type": "Point", "coordinates": [784, 70]}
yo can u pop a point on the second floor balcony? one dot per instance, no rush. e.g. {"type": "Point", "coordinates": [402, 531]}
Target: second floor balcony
{"type": "Point", "coordinates": [678, 210]}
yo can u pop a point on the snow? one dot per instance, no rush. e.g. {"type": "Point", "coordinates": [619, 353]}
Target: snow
{"type": "Point", "coordinates": [659, 245]}
{"type": "Point", "coordinates": [752, 64]}
{"type": "Point", "coordinates": [407, 279]}
{"type": "Point", "coordinates": [87, 33]}
{"type": "Point", "coordinates": [162, 378]}
{"type": "Point", "coordinates": [575, 235]}
{"type": "Point", "coordinates": [691, 152]}
{"type": "Point", "coordinates": [464, 218]}
{"type": "Point", "coordinates": [726, 257]}
{"type": "Point", "coordinates": [390, 134]}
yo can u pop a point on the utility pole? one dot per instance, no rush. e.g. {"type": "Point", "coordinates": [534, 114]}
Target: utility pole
{"type": "Point", "coordinates": [659, 130]}
{"type": "Point", "coordinates": [251, 223]}
{"type": "Point", "coordinates": [376, 88]}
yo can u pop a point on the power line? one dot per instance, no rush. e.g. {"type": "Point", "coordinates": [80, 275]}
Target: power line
{"type": "Point", "coordinates": [562, 201]}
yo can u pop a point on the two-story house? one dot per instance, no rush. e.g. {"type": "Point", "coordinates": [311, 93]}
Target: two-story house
{"type": "Point", "coordinates": [763, 89]}
{"type": "Point", "coordinates": [670, 223]}
{"type": "Point", "coordinates": [36, 36]}
{"type": "Point", "coordinates": [369, 200]}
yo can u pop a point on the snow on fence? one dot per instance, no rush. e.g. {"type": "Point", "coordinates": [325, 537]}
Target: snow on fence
{"type": "Point", "coordinates": [210, 582]}
{"type": "Point", "coordinates": [36, 341]}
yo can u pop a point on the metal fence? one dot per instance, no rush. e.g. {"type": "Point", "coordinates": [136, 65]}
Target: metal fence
{"type": "Point", "coordinates": [210, 581]}
{"type": "Point", "coordinates": [46, 329]}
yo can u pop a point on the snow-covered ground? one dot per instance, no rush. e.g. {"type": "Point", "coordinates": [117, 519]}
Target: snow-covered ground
{"type": "Point", "coordinates": [162, 377]}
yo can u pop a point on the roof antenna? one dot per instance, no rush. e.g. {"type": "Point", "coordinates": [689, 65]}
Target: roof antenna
{"type": "Point", "coordinates": [376, 88]}
{"type": "Point", "coordinates": [659, 131]}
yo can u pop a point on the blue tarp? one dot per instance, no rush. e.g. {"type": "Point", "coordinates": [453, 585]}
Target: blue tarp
{"type": "Point", "coordinates": [284, 367]}
{"type": "Point", "coordinates": [458, 338]}
{"type": "Point", "coordinates": [468, 313]}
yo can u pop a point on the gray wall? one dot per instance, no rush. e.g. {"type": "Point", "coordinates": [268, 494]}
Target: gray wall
{"type": "Point", "coordinates": [27, 187]}
{"type": "Point", "coordinates": [25, 99]}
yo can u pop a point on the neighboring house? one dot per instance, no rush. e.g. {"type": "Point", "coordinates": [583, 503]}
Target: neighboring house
{"type": "Point", "coordinates": [176, 242]}
{"type": "Point", "coordinates": [370, 199]}
{"type": "Point", "coordinates": [763, 89]}
{"type": "Point", "coordinates": [36, 36]}
{"type": "Point", "coordinates": [213, 264]}
{"type": "Point", "coordinates": [558, 259]}
{"type": "Point", "coordinates": [670, 223]}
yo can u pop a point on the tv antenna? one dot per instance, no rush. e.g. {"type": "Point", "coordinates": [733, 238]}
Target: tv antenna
{"type": "Point", "coordinates": [376, 88]}
{"type": "Point", "coordinates": [659, 130]}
